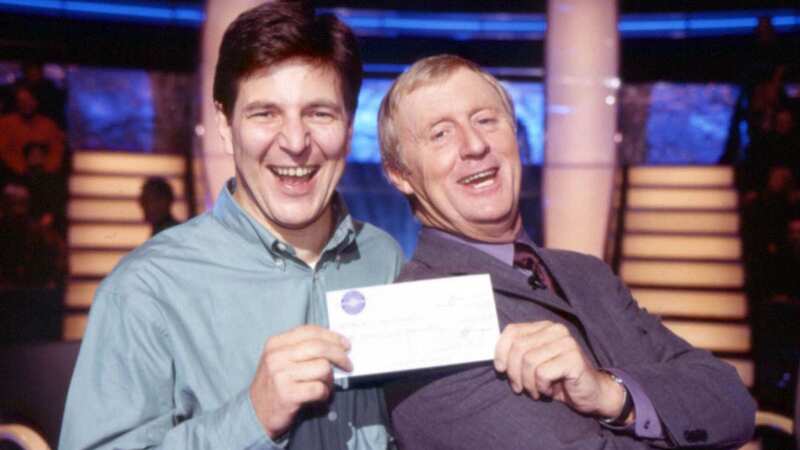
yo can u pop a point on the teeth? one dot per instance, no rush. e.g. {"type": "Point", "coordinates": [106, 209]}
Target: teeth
{"type": "Point", "coordinates": [484, 183]}
{"type": "Point", "coordinates": [477, 176]}
{"type": "Point", "coordinates": [298, 172]}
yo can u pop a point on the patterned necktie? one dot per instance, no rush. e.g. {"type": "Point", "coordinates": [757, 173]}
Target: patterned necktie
{"type": "Point", "coordinates": [524, 258]}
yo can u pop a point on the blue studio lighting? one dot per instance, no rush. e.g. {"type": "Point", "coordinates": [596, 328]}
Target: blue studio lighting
{"type": "Point", "coordinates": [132, 11]}
{"type": "Point", "coordinates": [460, 26]}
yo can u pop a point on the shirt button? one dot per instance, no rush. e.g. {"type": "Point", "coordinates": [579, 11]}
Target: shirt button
{"type": "Point", "coordinates": [332, 416]}
{"type": "Point", "coordinates": [281, 247]}
{"type": "Point", "coordinates": [647, 425]}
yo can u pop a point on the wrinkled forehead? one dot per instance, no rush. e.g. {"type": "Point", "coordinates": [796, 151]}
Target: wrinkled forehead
{"type": "Point", "coordinates": [463, 91]}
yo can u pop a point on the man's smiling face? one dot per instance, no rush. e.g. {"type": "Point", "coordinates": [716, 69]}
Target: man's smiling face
{"type": "Point", "coordinates": [458, 144]}
{"type": "Point", "coordinates": [289, 134]}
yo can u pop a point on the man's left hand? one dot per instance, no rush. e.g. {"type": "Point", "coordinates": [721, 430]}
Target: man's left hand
{"type": "Point", "coordinates": [544, 359]}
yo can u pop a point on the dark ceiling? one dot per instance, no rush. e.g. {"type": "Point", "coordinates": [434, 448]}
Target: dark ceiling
{"type": "Point", "coordinates": [175, 48]}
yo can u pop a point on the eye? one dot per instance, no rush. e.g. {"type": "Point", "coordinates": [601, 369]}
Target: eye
{"type": "Point", "coordinates": [487, 120]}
{"type": "Point", "coordinates": [264, 114]}
{"type": "Point", "coordinates": [438, 136]}
{"type": "Point", "coordinates": [321, 115]}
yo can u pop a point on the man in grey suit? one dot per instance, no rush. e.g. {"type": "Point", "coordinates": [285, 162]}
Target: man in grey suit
{"type": "Point", "coordinates": [578, 364]}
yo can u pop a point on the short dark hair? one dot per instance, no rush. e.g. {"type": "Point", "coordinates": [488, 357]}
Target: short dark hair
{"type": "Point", "coordinates": [276, 31]}
{"type": "Point", "coordinates": [160, 187]}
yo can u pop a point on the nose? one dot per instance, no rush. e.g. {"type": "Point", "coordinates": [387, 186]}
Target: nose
{"type": "Point", "coordinates": [294, 136]}
{"type": "Point", "coordinates": [475, 144]}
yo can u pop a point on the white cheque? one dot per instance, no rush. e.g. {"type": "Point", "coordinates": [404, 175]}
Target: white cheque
{"type": "Point", "coordinates": [416, 325]}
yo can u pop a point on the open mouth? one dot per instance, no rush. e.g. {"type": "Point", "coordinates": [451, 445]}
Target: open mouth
{"type": "Point", "coordinates": [481, 179]}
{"type": "Point", "coordinates": [294, 173]}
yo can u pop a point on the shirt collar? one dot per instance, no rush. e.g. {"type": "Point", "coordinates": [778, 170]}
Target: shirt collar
{"type": "Point", "coordinates": [227, 211]}
{"type": "Point", "coordinates": [504, 251]}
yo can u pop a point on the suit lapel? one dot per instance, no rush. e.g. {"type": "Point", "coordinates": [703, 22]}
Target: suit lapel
{"type": "Point", "coordinates": [454, 258]}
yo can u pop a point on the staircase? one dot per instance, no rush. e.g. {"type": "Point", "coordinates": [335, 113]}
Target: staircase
{"type": "Point", "coordinates": [681, 257]}
{"type": "Point", "coordinates": [105, 220]}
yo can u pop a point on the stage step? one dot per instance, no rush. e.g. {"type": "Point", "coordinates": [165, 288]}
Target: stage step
{"type": "Point", "coordinates": [665, 198]}
{"type": "Point", "coordinates": [107, 235]}
{"type": "Point", "coordinates": [116, 186]}
{"type": "Point", "coordinates": [681, 256]}
{"type": "Point", "coordinates": [106, 221]}
{"type": "Point", "coordinates": [692, 303]}
{"type": "Point", "coordinates": [122, 163]}
{"type": "Point", "coordinates": [120, 210]}
{"type": "Point", "coordinates": [682, 222]}
{"type": "Point", "coordinates": [718, 337]}
{"type": "Point", "coordinates": [720, 275]}
{"type": "Point", "coordinates": [80, 293]}
{"type": "Point", "coordinates": [681, 247]}
{"type": "Point", "coordinates": [93, 263]}
{"type": "Point", "coordinates": [681, 176]}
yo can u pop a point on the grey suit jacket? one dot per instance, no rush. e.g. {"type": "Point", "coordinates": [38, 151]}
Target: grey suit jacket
{"type": "Point", "coordinates": [700, 400]}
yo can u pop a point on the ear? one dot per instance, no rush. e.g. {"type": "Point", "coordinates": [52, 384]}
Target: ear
{"type": "Point", "coordinates": [398, 180]}
{"type": "Point", "coordinates": [224, 128]}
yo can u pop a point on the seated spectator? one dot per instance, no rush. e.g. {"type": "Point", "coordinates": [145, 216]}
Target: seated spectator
{"type": "Point", "coordinates": [764, 218]}
{"type": "Point", "coordinates": [31, 254]}
{"type": "Point", "coordinates": [26, 125]}
{"type": "Point", "coordinates": [784, 282]}
{"type": "Point", "coordinates": [156, 202]}
{"type": "Point", "coordinates": [47, 190]}
{"type": "Point", "coordinates": [52, 98]}
{"type": "Point", "coordinates": [778, 147]}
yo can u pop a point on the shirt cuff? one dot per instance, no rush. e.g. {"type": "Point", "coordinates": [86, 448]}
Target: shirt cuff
{"type": "Point", "coordinates": [647, 424]}
{"type": "Point", "coordinates": [246, 430]}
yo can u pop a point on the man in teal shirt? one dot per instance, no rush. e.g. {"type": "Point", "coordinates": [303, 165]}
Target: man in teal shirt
{"type": "Point", "coordinates": [212, 334]}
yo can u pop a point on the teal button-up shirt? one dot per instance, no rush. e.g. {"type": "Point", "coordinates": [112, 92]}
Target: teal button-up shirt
{"type": "Point", "coordinates": [176, 331]}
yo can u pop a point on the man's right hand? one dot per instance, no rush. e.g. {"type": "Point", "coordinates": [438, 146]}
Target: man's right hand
{"type": "Point", "coordinates": [295, 369]}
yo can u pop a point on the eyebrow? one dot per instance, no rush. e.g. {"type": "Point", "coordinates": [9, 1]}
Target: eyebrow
{"type": "Point", "coordinates": [433, 123]}
{"type": "Point", "coordinates": [324, 104]}
{"type": "Point", "coordinates": [258, 105]}
{"type": "Point", "coordinates": [321, 103]}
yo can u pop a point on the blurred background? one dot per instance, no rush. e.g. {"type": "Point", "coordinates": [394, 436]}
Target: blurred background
{"type": "Point", "coordinates": [104, 143]}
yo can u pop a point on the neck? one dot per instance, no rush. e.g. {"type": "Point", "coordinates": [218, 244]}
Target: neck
{"type": "Point", "coordinates": [494, 233]}
{"type": "Point", "coordinates": [309, 241]}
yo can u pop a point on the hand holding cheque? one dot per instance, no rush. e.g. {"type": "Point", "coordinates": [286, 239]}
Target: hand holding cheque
{"type": "Point", "coordinates": [451, 321]}
{"type": "Point", "coordinates": [295, 369]}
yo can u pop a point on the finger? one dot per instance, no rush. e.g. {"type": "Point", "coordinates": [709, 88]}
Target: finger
{"type": "Point", "coordinates": [542, 334]}
{"type": "Point", "coordinates": [510, 334]}
{"type": "Point", "coordinates": [314, 370]}
{"type": "Point", "coordinates": [305, 333]}
{"type": "Point", "coordinates": [564, 366]}
{"type": "Point", "coordinates": [316, 349]}
{"type": "Point", "coordinates": [537, 356]}
{"type": "Point", "coordinates": [309, 391]}
{"type": "Point", "coordinates": [514, 361]}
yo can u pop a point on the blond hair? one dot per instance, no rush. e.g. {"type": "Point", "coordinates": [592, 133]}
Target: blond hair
{"type": "Point", "coordinates": [423, 73]}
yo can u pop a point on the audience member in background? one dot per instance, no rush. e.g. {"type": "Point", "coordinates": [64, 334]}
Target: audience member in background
{"type": "Point", "coordinates": [156, 201]}
{"type": "Point", "coordinates": [764, 218]}
{"type": "Point", "coordinates": [762, 95]}
{"type": "Point", "coordinates": [27, 125]}
{"type": "Point", "coordinates": [47, 190]}
{"type": "Point", "coordinates": [785, 284]}
{"type": "Point", "coordinates": [52, 99]}
{"type": "Point", "coordinates": [776, 337]}
{"type": "Point", "coordinates": [32, 254]}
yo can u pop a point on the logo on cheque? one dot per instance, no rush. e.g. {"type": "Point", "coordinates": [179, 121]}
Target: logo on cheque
{"type": "Point", "coordinates": [353, 302]}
